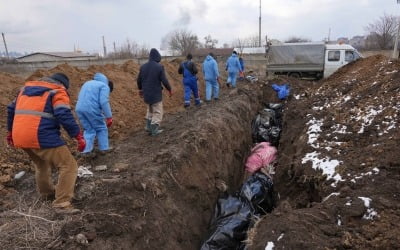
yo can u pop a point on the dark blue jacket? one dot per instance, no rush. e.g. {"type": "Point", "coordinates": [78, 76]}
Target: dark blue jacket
{"type": "Point", "coordinates": [150, 78]}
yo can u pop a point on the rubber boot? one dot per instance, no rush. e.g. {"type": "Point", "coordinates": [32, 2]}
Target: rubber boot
{"type": "Point", "coordinates": [147, 128]}
{"type": "Point", "coordinates": [155, 130]}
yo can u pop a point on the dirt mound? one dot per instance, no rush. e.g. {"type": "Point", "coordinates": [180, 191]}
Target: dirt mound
{"type": "Point", "coordinates": [128, 108]}
{"type": "Point", "coordinates": [345, 128]}
{"type": "Point", "coordinates": [157, 191]}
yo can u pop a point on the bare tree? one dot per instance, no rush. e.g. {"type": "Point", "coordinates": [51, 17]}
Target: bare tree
{"type": "Point", "coordinates": [250, 42]}
{"type": "Point", "coordinates": [239, 43]}
{"type": "Point", "coordinates": [129, 49]}
{"type": "Point", "coordinates": [210, 42]}
{"type": "Point", "coordinates": [295, 39]}
{"type": "Point", "coordinates": [382, 31]}
{"type": "Point", "coordinates": [182, 41]}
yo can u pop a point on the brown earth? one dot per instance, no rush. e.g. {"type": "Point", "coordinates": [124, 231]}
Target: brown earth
{"type": "Point", "coordinates": [128, 109]}
{"type": "Point", "coordinates": [159, 192]}
{"type": "Point", "coordinates": [313, 213]}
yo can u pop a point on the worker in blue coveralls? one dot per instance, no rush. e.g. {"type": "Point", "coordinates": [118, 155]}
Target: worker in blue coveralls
{"type": "Point", "coordinates": [94, 112]}
{"type": "Point", "coordinates": [241, 74]}
{"type": "Point", "coordinates": [233, 67]}
{"type": "Point", "coordinates": [211, 77]}
{"type": "Point", "coordinates": [188, 70]}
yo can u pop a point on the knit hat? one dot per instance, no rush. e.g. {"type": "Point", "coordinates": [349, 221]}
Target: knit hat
{"type": "Point", "coordinates": [189, 56]}
{"type": "Point", "coordinates": [61, 78]}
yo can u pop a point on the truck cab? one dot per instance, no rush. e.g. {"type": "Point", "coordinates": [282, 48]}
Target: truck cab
{"type": "Point", "coordinates": [338, 55]}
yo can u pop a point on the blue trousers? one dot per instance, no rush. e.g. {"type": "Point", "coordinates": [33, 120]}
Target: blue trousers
{"type": "Point", "coordinates": [212, 89]}
{"type": "Point", "coordinates": [189, 88]}
{"type": "Point", "coordinates": [232, 78]}
{"type": "Point", "coordinates": [94, 126]}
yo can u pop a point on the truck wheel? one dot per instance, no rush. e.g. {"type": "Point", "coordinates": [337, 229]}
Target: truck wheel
{"type": "Point", "coordinates": [294, 75]}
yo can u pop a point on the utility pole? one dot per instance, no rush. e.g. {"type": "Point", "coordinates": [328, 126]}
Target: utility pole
{"type": "Point", "coordinates": [259, 28]}
{"type": "Point", "coordinates": [115, 48]}
{"type": "Point", "coordinates": [5, 45]}
{"type": "Point", "coordinates": [104, 47]}
{"type": "Point", "coordinates": [329, 34]}
{"type": "Point", "coordinates": [394, 56]}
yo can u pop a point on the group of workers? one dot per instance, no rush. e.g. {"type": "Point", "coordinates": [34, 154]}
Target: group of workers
{"type": "Point", "coordinates": [234, 66]}
{"type": "Point", "coordinates": [33, 122]}
{"type": "Point", "coordinates": [42, 106]}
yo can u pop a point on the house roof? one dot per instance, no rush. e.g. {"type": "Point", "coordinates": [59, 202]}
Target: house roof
{"type": "Point", "coordinates": [60, 54]}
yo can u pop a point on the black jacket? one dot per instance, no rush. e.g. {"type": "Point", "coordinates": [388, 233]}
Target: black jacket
{"type": "Point", "coordinates": [190, 66]}
{"type": "Point", "coordinates": [150, 77]}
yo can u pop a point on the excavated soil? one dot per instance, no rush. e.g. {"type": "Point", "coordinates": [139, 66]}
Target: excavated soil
{"type": "Point", "coordinates": [159, 192]}
{"type": "Point", "coordinates": [356, 122]}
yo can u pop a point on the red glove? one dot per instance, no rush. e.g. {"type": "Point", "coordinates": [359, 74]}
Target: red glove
{"type": "Point", "coordinates": [170, 93]}
{"type": "Point", "coordinates": [109, 122]}
{"type": "Point", "coordinates": [141, 93]}
{"type": "Point", "coordinates": [81, 142]}
{"type": "Point", "coordinates": [10, 141]}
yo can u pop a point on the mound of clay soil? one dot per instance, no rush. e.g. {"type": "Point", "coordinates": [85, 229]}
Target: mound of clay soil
{"type": "Point", "coordinates": [338, 174]}
{"type": "Point", "coordinates": [127, 107]}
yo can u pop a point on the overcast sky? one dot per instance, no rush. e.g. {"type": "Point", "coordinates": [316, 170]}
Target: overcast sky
{"type": "Point", "coordinates": [59, 25]}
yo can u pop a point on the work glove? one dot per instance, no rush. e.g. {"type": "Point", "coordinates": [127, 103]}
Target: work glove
{"type": "Point", "coordinates": [109, 122]}
{"type": "Point", "coordinates": [9, 138]}
{"type": "Point", "coordinates": [170, 93]}
{"type": "Point", "coordinates": [141, 93]}
{"type": "Point", "coordinates": [81, 142]}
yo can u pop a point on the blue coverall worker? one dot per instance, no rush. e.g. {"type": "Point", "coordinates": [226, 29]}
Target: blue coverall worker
{"type": "Point", "coordinates": [188, 70]}
{"type": "Point", "coordinates": [233, 67]}
{"type": "Point", "coordinates": [94, 112]}
{"type": "Point", "coordinates": [211, 77]}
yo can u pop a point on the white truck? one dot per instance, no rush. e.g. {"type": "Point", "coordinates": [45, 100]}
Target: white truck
{"type": "Point", "coordinates": [308, 60]}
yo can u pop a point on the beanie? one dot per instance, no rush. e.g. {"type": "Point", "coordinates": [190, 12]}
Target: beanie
{"type": "Point", "coordinates": [61, 78]}
{"type": "Point", "coordinates": [189, 56]}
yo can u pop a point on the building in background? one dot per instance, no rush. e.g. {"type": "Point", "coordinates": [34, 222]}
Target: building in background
{"type": "Point", "coordinates": [56, 56]}
{"type": "Point", "coordinates": [358, 42]}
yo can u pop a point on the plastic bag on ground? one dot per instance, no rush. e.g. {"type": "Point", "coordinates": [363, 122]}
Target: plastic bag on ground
{"type": "Point", "coordinates": [234, 214]}
{"type": "Point", "coordinates": [266, 127]}
{"type": "Point", "coordinates": [282, 90]}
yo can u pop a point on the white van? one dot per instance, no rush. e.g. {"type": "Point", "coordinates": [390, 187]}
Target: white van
{"type": "Point", "coordinates": [308, 60]}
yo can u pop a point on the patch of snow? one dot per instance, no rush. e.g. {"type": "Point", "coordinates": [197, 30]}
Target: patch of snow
{"type": "Point", "coordinates": [327, 197]}
{"type": "Point", "coordinates": [347, 98]}
{"type": "Point", "coordinates": [391, 72]}
{"type": "Point", "coordinates": [313, 130]}
{"type": "Point", "coordinates": [371, 214]}
{"type": "Point", "coordinates": [339, 222]}
{"type": "Point", "coordinates": [368, 117]}
{"type": "Point", "coordinates": [317, 108]}
{"type": "Point", "coordinates": [297, 97]}
{"type": "Point", "coordinates": [327, 165]}
{"type": "Point", "coordinates": [340, 129]}
{"type": "Point", "coordinates": [376, 170]}
{"type": "Point", "coordinates": [280, 237]}
{"type": "Point", "coordinates": [270, 245]}
{"type": "Point", "coordinates": [367, 201]}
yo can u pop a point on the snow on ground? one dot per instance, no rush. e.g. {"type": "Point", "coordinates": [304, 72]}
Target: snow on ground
{"type": "Point", "coordinates": [371, 213]}
{"type": "Point", "coordinates": [270, 245]}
